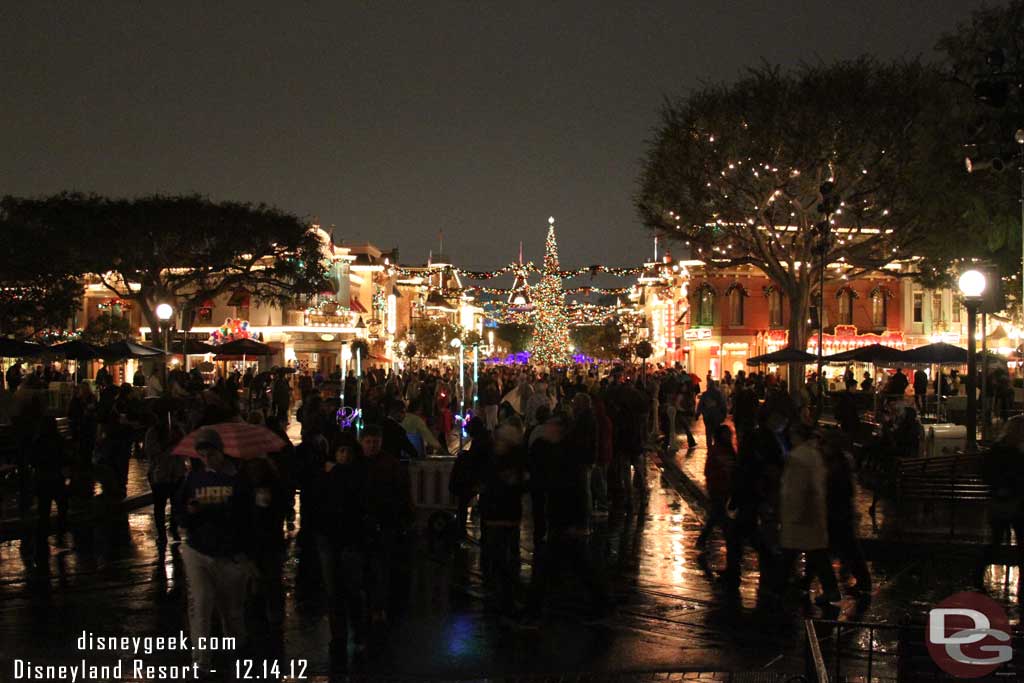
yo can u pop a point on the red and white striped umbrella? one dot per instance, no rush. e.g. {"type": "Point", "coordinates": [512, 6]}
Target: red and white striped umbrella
{"type": "Point", "coordinates": [241, 440]}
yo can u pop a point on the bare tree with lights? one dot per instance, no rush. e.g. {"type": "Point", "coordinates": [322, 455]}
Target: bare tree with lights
{"type": "Point", "coordinates": [797, 173]}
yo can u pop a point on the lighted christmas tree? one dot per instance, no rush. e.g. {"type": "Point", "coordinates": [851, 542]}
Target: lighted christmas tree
{"type": "Point", "coordinates": [551, 323]}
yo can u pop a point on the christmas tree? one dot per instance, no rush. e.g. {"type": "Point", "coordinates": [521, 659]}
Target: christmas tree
{"type": "Point", "coordinates": [551, 323]}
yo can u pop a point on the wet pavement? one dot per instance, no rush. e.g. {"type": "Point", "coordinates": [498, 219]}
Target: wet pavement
{"type": "Point", "coordinates": [672, 616]}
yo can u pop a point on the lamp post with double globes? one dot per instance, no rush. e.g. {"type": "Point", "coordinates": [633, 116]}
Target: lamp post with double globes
{"type": "Point", "coordinates": [972, 286]}
{"type": "Point", "coordinates": [456, 343]}
{"type": "Point", "coordinates": [164, 312]}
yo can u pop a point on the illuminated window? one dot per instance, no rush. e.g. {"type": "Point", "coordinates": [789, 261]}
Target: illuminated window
{"type": "Point", "coordinates": [879, 309]}
{"type": "Point", "coordinates": [705, 305]}
{"type": "Point", "coordinates": [937, 307]}
{"type": "Point", "coordinates": [956, 310]}
{"type": "Point", "coordinates": [846, 307]}
{"type": "Point", "coordinates": [918, 307]}
{"type": "Point", "coordinates": [736, 296]}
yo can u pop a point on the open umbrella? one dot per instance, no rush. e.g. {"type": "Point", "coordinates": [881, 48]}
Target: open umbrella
{"type": "Point", "coordinates": [244, 347]}
{"type": "Point", "coordinates": [12, 348]}
{"type": "Point", "coordinates": [783, 356]}
{"type": "Point", "coordinates": [241, 440]}
{"type": "Point", "coordinates": [193, 347]}
{"type": "Point", "coordinates": [127, 349]}
{"type": "Point", "coordinates": [878, 354]}
{"type": "Point", "coordinates": [75, 350]}
{"type": "Point", "coordinates": [939, 353]}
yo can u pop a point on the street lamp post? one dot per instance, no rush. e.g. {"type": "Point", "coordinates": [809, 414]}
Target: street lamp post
{"type": "Point", "coordinates": [456, 343]}
{"type": "Point", "coordinates": [972, 285]}
{"type": "Point", "coordinates": [164, 312]}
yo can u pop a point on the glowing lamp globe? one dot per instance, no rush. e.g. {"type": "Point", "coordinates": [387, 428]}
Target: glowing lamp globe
{"type": "Point", "coordinates": [164, 311]}
{"type": "Point", "coordinates": [972, 284]}
{"type": "Point", "coordinates": [456, 343]}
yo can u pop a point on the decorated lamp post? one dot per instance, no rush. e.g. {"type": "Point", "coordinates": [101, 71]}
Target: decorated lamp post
{"type": "Point", "coordinates": [456, 343]}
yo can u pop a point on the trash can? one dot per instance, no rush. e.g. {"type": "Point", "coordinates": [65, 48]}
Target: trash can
{"type": "Point", "coordinates": [945, 439]}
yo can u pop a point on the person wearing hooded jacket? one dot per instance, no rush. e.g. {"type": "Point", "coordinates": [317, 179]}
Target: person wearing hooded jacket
{"type": "Point", "coordinates": [214, 506]}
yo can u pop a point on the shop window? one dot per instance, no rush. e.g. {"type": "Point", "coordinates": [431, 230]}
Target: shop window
{"type": "Point", "coordinates": [937, 316]}
{"type": "Point", "coordinates": [736, 296]}
{"type": "Point", "coordinates": [705, 305]}
{"type": "Point", "coordinates": [879, 309]}
{"type": "Point", "coordinates": [956, 310]}
{"type": "Point", "coordinates": [918, 307]}
{"type": "Point", "coordinates": [846, 307]}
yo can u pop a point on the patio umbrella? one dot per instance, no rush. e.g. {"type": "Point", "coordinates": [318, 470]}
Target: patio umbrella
{"type": "Point", "coordinates": [783, 356]}
{"type": "Point", "coordinates": [75, 350]}
{"type": "Point", "coordinates": [939, 353]}
{"type": "Point", "coordinates": [12, 348]}
{"type": "Point", "coordinates": [127, 349]}
{"type": "Point", "coordinates": [241, 440]}
{"type": "Point", "coordinates": [244, 347]}
{"type": "Point", "coordinates": [877, 354]}
{"type": "Point", "coordinates": [193, 347]}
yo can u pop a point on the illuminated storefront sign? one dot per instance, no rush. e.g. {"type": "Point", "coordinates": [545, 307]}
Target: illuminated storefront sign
{"type": "Point", "coordinates": [697, 333]}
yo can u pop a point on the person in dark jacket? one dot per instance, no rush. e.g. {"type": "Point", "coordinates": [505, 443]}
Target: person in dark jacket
{"type": "Point", "coordinates": [467, 472]}
{"type": "Point", "coordinates": [44, 451]}
{"type": "Point", "coordinates": [266, 546]}
{"type": "Point", "coordinates": [501, 511]}
{"type": "Point", "coordinates": [842, 515]}
{"type": "Point", "coordinates": [1003, 471]}
{"type": "Point", "coordinates": [583, 441]}
{"type": "Point", "coordinates": [718, 473]}
{"type": "Point", "coordinates": [396, 441]}
{"type": "Point", "coordinates": [342, 524]}
{"type": "Point", "coordinates": [567, 547]}
{"type": "Point", "coordinates": [390, 509]}
{"type": "Point", "coordinates": [215, 507]}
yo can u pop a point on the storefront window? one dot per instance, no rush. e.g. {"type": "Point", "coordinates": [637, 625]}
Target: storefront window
{"type": "Point", "coordinates": [937, 307]}
{"type": "Point", "coordinates": [736, 306]}
{"type": "Point", "coordinates": [918, 307]}
{"type": "Point", "coordinates": [879, 305]}
{"type": "Point", "coordinates": [846, 307]}
{"type": "Point", "coordinates": [956, 310]}
{"type": "Point", "coordinates": [706, 309]}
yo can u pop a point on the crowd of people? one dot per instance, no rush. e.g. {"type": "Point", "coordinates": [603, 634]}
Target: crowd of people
{"type": "Point", "coordinates": [548, 453]}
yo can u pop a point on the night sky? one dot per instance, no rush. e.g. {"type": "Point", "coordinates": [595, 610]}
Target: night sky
{"type": "Point", "coordinates": [395, 121]}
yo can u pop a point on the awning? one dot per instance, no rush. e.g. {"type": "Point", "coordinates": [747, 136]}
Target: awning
{"type": "Point", "coordinates": [783, 356]}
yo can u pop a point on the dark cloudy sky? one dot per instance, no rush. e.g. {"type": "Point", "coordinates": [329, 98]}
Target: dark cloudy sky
{"type": "Point", "coordinates": [394, 121]}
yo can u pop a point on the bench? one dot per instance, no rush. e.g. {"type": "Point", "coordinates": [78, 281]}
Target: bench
{"type": "Point", "coordinates": [952, 479]}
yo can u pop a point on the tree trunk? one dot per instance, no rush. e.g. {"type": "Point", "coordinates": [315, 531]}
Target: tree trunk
{"type": "Point", "coordinates": [799, 309]}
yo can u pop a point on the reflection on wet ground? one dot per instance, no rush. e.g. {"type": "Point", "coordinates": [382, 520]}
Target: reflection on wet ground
{"type": "Point", "coordinates": [672, 615]}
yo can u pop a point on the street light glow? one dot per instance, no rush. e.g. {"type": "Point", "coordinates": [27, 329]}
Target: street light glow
{"type": "Point", "coordinates": [972, 283]}
{"type": "Point", "coordinates": [456, 343]}
{"type": "Point", "coordinates": [164, 311]}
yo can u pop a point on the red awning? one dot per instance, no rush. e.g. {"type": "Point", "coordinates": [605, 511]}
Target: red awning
{"type": "Point", "coordinates": [356, 306]}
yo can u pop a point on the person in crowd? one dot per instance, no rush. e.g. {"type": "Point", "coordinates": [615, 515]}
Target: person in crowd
{"type": "Point", "coordinates": [43, 449]}
{"type": "Point", "coordinates": [898, 384]}
{"type": "Point", "coordinates": [342, 525]}
{"type": "Point", "coordinates": [414, 424]}
{"type": "Point", "coordinates": [501, 510]}
{"type": "Point", "coordinates": [389, 493]}
{"type": "Point", "coordinates": [396, 442]}
{"type": "Point", "coordinates": [804, 513]}
{"type": "Point", "coordinates": [920, 389]}
{"type": "Point", "coordinates": [214, 506]}
{"type": "Point", "coordinates": [629, 420]}
{"type": "Point", "coordinates": [281, 396]}
{"type": "Point", "coordinates": [266, 542]}
{"type": "Point", "coordinates": [166, 473]}
{"type": "Point", "coordinates": [1003, 471]}
{"type": "Point", "coordinates": [842, 513]}
{"type": "Point", "coordinates": [744, 408]}
{"type": "Point", "coordinates": [467, 472]}
{"type": "Point", "coordinates": [605, 455]}
{"type": "Point", "coordinates": [712, 408]}
{"type": "Point", "coordinates": [14, 375]}
{"type": "Point", "coordinates": [718, 473]}
{"type": "Point", "coordinates": [567, 546]}
{"type": "Point", "coordinates": [583, 444]}
{"type": "Point", "coordinates": [867, 385]}
{"type": "Point", "coordinates": [139, 378]}
{"type": "Point", "coordinates": [82, 420]}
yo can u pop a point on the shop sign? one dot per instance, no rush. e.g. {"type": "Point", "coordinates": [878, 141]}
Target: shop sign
{"type": "Point", "coordinates": [697, 333]}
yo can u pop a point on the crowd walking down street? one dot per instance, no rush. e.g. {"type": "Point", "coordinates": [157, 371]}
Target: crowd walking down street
{"type": "Point", "coordinates": [560, 518]}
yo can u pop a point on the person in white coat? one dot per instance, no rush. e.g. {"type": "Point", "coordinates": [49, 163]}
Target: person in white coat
{"type": "Point", "coordinates": [804, 513]}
